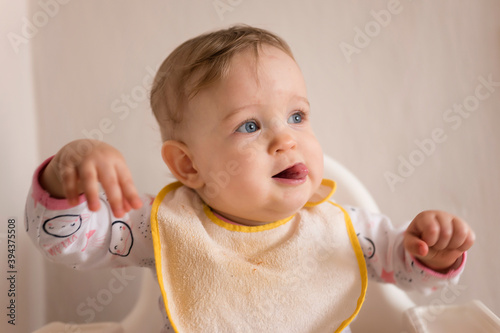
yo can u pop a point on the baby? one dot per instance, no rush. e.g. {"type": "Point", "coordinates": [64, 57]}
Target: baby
{"type": "Point", "coordinates": [247, 239]}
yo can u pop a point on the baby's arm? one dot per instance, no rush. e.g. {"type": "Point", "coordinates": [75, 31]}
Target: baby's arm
{"type": "Point", "coordinates": [388, 260]}
{"type": "Point", "coordinates": [73, 234]}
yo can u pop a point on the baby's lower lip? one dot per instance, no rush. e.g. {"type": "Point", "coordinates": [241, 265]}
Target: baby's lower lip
{"type": "Point", "coordinates": [287, 181]}
{"type": "Point", "coordinates": [296, 174]}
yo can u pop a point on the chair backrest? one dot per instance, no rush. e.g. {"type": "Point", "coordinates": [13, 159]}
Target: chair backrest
{"type": "Point", "coordinates": [350, 190]}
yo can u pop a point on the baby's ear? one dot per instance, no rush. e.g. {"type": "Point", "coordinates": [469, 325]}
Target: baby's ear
{"type": "Point", "coordinates": [177, 157]}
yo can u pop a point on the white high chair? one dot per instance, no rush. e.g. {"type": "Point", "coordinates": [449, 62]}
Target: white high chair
{"type": "Point", "coordinates": [382, 311]}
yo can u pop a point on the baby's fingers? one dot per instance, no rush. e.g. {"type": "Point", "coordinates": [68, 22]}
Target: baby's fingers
{"type": "Point", "coordinates": [131, 198]}
{"type": "Point", "coordinates": [469, 241]}
{"type": "Point", "coordinates": [444, 225]}
{"type": "Point", "coordinates": [463, 237]}
{"type": "Point", "coordinates": [425, 227]}
{"type": "Point", "coordinates": [89, 182]}
{"type": "Point", "coordinates": [69, 181]}
{"type": "Point", "coordinates": [111, 186]}
{"type": "Point", "coordinates": [415, 245]}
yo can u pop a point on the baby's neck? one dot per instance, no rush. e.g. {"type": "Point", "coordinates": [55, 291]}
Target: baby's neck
{"type": "Point", "coordinates": [229, 220]}
{"type": "Point", "coordinates": [225, 219]}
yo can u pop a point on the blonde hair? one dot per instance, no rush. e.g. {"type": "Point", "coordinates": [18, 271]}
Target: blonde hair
{"type": "Point", "coordinates": [198, 63]}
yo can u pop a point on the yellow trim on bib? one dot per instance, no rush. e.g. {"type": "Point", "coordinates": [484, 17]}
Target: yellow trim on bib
{"type": "Point", "coordinates": [329, 186]}
{"type": "Point", "coordinates": [361, 264]}
{"type": "Point", "coordinates": [243, 228]}
{"type": "Point", "coordinates": [155, 231]}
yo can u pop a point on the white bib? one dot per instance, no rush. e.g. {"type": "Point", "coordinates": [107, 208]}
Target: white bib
{"type": "Point", "coordinates": [302, 274]}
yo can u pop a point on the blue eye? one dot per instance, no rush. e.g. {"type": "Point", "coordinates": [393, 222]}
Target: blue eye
{"type": "Point", "coordinates": [295, 118]}
{"type": "Point", "coordinates": [248, 127]}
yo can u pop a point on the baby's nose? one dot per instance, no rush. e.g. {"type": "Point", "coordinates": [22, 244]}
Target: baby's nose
{"type": "Point", "coordinates": [282, 141]}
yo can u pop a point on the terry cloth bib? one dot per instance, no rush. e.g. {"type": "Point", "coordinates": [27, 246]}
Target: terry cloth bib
{"type": "Point", "coordinates": [302, 274]}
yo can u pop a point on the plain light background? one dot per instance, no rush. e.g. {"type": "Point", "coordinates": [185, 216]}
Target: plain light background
{"type": "Point", "coordinates": [386, 81]}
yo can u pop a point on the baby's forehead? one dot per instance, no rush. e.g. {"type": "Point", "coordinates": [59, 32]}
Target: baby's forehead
{"type": "Point", "coordinates": [248, 58]}
{"type": "Point", "coordinates": [251, 67]}
{"type": "Point", "coordinates": [252, 78]}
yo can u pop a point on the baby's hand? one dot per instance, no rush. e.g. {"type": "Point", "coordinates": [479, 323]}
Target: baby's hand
{"type": "Point", "coordinates": [438, 239]}
{"type": "Point", "coordinates": [79, 167]}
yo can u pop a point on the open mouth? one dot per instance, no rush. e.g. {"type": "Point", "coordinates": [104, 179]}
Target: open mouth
{"type": "Point", "coordinates": [296, 172]}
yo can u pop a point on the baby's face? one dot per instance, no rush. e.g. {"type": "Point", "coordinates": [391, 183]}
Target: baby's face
{"type": "Point", "coordinates": [251, 140]}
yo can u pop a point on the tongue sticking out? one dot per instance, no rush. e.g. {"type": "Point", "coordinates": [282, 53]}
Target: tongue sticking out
{"type": "Point", "coordinates": [296, 171]}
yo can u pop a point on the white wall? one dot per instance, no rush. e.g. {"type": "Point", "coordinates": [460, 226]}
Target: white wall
{"type": "Point", "coordinates": [19, 155]}
{"type": "Point", "coordinates": [92, 59]}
